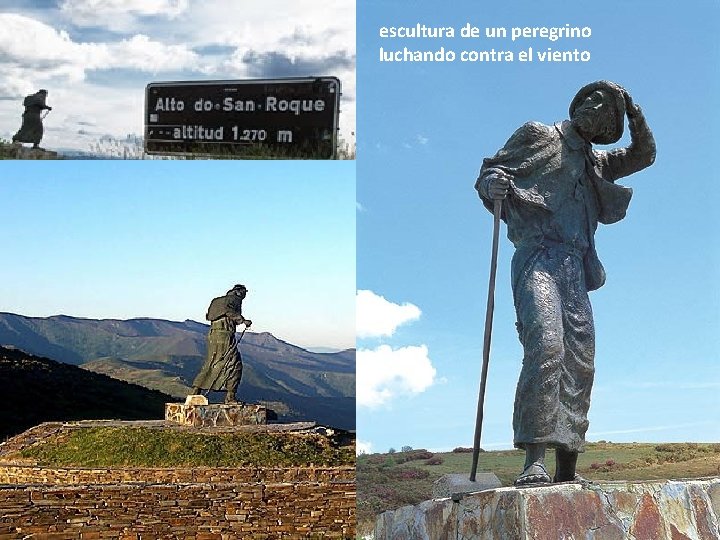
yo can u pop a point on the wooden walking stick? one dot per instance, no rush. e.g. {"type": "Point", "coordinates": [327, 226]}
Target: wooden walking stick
{"type": "Point", "coordinates": [497, 208]}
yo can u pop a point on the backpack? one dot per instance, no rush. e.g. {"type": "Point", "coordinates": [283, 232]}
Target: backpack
{"type": "Point", "coordinates": [222, 306]}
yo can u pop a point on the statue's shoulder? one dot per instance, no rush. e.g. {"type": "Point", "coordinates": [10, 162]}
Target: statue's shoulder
{"type": "Point", "coordinates": [530, 133]}
{"type": "Point", "coordinates": [535, 129]}
{"type": "Point", "coordinates": [221, 307]}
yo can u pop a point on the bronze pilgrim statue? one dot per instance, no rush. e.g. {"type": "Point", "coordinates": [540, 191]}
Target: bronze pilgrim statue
{"type": "Point", "coordinates": [555, 189]}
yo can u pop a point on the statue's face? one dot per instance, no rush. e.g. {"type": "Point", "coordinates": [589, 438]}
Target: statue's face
{"type": "Point", "coordinates": [595, 116]}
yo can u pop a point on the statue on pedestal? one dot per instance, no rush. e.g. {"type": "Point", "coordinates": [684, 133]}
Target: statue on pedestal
{"type": "Point", "coordinates": [31, 130]}
{"type": "Point", "coordinates": [222, 369]}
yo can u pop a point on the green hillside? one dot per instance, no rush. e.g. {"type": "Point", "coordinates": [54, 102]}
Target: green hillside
{"type": "Point", "coordinates": [148, 447]}
{"type": "Point", "coordinates": [40, 390]}
{"type": "Point", "coordinates": [389, 481]}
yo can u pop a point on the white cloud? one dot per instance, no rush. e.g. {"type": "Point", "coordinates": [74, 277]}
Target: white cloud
{"type": "Point", "coordinates": [14, 82]}
{"type": "Point", "coordinates": [378, 317]}
{"type": "Point", "coordinates": [385, 373]}
{"type": "Point", "coordinates": [142, 53]}
{"type": "Point", "coordinates": [29, 42]}
{"type": "Point", "coordinates": [38, 51]}
{"type": "Point", "coordinates": [105, 12]}
{"type": "Point", "coordinates": [303, 26]}
{"type": "Point", "coordinates": [363, 447]}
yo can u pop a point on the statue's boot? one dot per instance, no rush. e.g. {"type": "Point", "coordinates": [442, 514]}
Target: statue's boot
{"type": "Point", "coordinates": [534, 471]}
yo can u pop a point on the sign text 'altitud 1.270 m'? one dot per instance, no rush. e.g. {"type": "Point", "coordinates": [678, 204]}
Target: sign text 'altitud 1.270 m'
{"type": "Point", "coordinates": [283, 118]}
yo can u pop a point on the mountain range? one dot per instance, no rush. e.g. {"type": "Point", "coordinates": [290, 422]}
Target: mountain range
{"type": "Point", "coordinates": [166, 355]}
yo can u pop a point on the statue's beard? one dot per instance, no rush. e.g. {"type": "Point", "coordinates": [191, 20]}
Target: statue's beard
{"type": "Point", "coordinates": [590, 124]}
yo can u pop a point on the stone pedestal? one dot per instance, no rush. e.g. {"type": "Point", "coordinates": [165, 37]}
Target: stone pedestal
{"type": "Point", "coordinates": [27, 152]}
{"type": "Point", "coordinates": [196, 412]}
{"type": "Point", "coordinates": [453, 485]}
{"type": "Point", "coordinates": [684, 510]}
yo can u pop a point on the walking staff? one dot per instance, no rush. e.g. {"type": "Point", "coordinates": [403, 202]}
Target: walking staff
{"type": "Point", "coordinates": [497, 208]}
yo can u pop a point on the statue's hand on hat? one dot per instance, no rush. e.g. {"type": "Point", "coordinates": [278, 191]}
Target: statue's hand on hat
{"type": "Point", "coordinates": [631, 109]}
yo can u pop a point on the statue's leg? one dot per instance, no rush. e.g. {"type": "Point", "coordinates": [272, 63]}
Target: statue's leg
{"type": "Point", "coordinates": [534, 454]}
{"type": "Point", "coordinates": [565, 464]}
{"type": "Point", "coordinates": [231, 395]}
{"type": "Point", "coordinates": [233, 383]}
{"type": "Point", "coordinates": [578, 369]}
{"type": "Point", "coordinates": [539, 310]}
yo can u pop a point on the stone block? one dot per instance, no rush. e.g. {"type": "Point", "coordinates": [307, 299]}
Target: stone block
{"type": "Point", "coordinates": [196, 399]}
{"type": "Point", "coordinates": [451, 485]}
{"type": "Point", "coordinates": [604, 511]}
{"type": "Point", "coordinates": [18, 151]}
{"type": "Point", "coordinates": [217, 415]}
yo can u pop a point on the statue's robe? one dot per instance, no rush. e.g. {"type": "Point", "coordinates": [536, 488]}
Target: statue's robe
{"type": "Point", "coordinates": [560, 189]}
{"type": "Point", "coordinates": [223, 364]}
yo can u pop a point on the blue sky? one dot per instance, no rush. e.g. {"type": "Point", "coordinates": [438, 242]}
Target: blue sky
{"type": "Point", "coordinates": [123, 239]}
{"type": "Point", "coordinates": [96, 56]}
{"type": "Point", "coordinates": [424, 238]}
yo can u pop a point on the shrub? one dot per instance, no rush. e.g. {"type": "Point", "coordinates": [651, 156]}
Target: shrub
{"type": "Point", "coordinates": [413, 455]}
{"type": "Point", "coordinates": [406, 449]}
{"type": "Point", "coordinates": [464, 450]}
{"type": "Point", "coordinates": [610, 462]}
{"type": "Point", "coordinates": [437, 460]}
{"type": "Point", "coordinates": [408, 473]}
